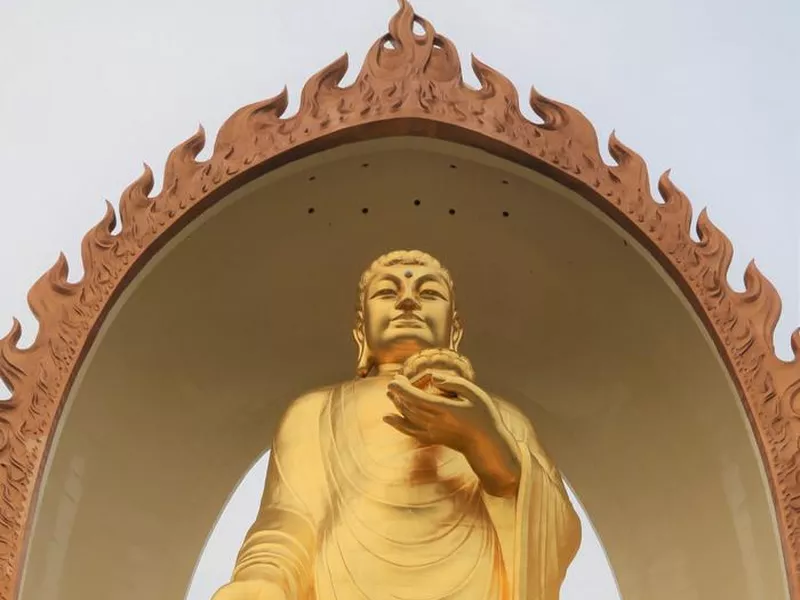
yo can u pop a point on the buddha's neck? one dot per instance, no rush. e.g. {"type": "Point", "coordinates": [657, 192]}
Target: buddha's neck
{"type": "Point", "coordinates": [389, 368]}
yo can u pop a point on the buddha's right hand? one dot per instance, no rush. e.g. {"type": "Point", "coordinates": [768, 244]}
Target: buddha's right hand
{"type": "Point", "coordinates": [251, 590]}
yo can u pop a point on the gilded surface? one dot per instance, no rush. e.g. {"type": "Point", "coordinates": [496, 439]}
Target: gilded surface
{"type": "Point", "coordinates": [410, 481]}
{"type": "Point", "coordinates": [412, 86]}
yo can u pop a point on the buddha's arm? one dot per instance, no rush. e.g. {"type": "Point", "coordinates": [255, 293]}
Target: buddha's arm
{"type": "Point", "coordinates": [277, 556]}
{"type": "Point", "coordinates": [554, 529]}
{"type": "Point", "coordinates": [547, 528]}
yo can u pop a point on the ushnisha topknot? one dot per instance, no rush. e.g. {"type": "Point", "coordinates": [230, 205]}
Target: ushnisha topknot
{"type": "Point", "coordinates": [438, 359]}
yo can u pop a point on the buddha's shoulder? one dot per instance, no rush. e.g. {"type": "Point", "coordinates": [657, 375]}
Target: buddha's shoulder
{"type": "Point", "coordinates": [309, 402]}
{"type": "Point", "coordinates": [312, 403]}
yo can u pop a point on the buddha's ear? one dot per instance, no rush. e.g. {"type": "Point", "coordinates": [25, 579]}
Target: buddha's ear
{"type": "Point", "coordinates": [456, 332]}
{"type": "Point", "coordinates": [364, 355]}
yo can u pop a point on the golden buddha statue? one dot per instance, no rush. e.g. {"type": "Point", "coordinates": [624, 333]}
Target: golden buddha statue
{"type": "Point", "coordinates": [410, 481]}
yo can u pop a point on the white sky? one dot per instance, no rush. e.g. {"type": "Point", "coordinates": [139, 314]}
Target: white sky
{"type": "Point", "coordinates": [91, 88]}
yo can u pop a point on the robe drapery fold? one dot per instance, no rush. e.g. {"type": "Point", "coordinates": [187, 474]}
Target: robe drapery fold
{"type": "Point", "coordinates": [547, 529]}
{"type": "Point", "coordinates": [353, 509]}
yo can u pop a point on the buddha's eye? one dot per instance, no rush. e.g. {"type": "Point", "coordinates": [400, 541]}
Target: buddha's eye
{"type": "Point", "coordinates": [385, 293]}
{"type": "Point", "coordinates": [432, 295]}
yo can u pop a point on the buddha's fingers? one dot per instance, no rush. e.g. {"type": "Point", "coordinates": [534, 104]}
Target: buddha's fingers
{"type": "Point", "coordinates": [405, 426]}
{"type": "Point", "coordinates": [415, 411]}
{"type": "Point", "coordinates": [463, 388]}
{"type": "Point", "coordinates": [403, 388]}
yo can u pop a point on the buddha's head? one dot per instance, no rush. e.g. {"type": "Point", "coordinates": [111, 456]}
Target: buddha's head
{"type": "Point", "coordinates": [406, 303]}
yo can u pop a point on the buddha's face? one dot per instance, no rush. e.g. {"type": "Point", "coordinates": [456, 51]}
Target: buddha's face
{"type": "Point", "coordinates": [407, 308]}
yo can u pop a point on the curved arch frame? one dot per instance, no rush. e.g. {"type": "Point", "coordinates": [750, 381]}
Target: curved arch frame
{"type": "Point", "coordinates": [409, 84]}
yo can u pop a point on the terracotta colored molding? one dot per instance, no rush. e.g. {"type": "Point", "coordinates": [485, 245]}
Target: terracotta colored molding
{"type": "Point", "coordinates": [409, 85]}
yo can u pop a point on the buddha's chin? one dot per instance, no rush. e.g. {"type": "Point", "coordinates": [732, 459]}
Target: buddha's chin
{"type": "Point", "coordinates": [400, 347]}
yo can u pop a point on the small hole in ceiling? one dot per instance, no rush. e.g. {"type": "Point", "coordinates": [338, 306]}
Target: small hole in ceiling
{"type": "Point", "coordinates": [505, 213]}
{"type": "Point", "coordinates": [452, 211]}
{"type": "Point", "coordinates": [505, 181]}
{"type": "Point", "coordinates": [311, 210]}
{"type": "Point", "coordinates": [364, 165]}
{"type": "Point", "coordinates": [418, 29]}
{"type": "Point", "coordinates": [365, 210]}
{"type": "Point", "coordinates": [453, 167]}
{"type": "Point", "coordinates": [388, 44]}
{"type": "Point", "coordinates": [312, 178]}
{"type": "Point", "coordinates": [417, 202]}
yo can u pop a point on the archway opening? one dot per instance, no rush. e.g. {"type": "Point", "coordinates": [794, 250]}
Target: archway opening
{"type": "Point", "coordinates": [253, 305]}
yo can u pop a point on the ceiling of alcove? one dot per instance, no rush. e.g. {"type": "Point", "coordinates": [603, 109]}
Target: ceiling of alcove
{"type": "Point", "coordinates": [255, 306]}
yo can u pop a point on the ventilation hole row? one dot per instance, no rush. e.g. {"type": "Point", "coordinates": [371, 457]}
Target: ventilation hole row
{"type": "Point", "coordinates": [365, 165]}
{"type": "Point", "coordinates": [417, 202]}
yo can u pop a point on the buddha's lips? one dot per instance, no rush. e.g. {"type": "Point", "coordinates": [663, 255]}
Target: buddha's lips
{"type": "Point", "coordinates": [408, 317]}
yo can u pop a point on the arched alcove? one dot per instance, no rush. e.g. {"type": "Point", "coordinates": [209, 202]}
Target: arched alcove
{"type": "Point", "coordinates": [253, 305]}
{"type": "Point", "coordinates": [158, 377]}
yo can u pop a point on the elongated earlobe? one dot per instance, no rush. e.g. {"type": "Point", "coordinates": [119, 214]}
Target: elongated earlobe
{"type": "Point", "coordinates": [456, 332]}
{"type": "Point", "coordinates": [365, 359]}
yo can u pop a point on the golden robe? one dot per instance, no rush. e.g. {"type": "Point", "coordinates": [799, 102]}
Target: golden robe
{"type": "Point", "coordinates": [355, 510]}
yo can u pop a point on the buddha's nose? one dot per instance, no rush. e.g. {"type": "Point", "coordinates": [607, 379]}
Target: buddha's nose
{"type": "Point", "coordinates": [407, 302]}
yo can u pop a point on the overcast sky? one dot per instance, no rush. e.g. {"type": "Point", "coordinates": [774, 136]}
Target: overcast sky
{"type": "Point", "coordinates": [90, 89]}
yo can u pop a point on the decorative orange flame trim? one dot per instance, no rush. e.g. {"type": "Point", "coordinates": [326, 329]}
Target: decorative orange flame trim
{"type": "Point", "coordinates": [409, 85]}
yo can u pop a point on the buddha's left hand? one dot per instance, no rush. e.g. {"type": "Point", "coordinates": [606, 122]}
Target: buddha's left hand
{"type": "Point", "coordinates": [463, 417]}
